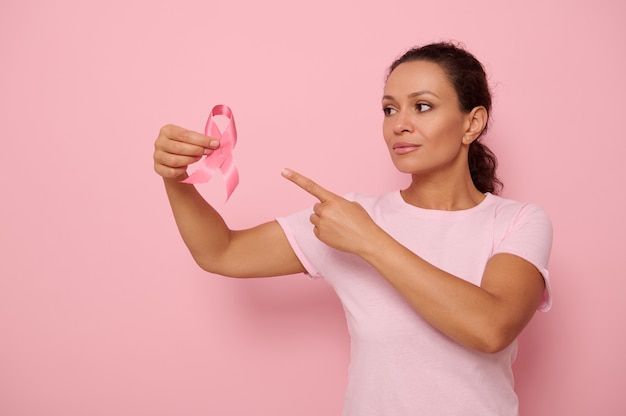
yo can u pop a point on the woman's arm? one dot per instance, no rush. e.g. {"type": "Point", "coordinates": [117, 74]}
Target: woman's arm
{"type": "Point", "coordinates": [257, 252]}
{"type": "Point", "coordinates": [486, 318]}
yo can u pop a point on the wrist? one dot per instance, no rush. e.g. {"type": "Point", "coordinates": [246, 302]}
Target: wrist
{"type": "Point", "coordinates": [377, 243]}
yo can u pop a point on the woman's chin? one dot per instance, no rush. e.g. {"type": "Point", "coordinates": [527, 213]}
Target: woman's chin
{"type": "Point", "coordinates": [404, 167]}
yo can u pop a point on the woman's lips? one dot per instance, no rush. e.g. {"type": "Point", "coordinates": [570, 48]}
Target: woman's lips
{"type": "Point", "coordinates": [403, 148]}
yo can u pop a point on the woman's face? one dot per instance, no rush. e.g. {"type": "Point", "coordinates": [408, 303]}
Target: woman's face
{"type": "Point", "coordinates": [423, 125]}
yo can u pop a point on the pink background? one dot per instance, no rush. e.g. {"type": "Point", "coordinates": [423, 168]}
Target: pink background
{"type": "Point", "coordinates": [103, 312]}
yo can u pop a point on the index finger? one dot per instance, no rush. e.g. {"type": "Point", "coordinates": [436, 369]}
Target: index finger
{"type": "Point", "coordinates": [309, 185]}
{"type": "Point", "coordinates": [181, 134]}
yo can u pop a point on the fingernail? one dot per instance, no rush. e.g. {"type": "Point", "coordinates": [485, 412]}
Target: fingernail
{"type": "Point", "coordinates": [286, 173]}
{"type": "Point", "coordinates": [208, 151]}
{"type": "Point", "coordinates": [214, 143]}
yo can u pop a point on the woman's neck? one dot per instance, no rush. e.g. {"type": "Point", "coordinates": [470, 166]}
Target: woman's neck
{"type": "Point", "coordinates": [429, 193]}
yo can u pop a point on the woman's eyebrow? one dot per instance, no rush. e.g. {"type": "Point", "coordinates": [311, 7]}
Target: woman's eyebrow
{"type": "Point", "coordinates": [413, 94]}
{"type": "Point", "coordinates": [422, 92]}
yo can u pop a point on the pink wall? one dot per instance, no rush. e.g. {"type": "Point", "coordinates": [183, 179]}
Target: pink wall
{"type": "Point", "coordinates": [102, 311]}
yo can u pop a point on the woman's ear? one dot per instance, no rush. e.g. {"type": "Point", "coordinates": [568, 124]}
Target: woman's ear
{"type": "Point", "coordinates": [477, 121]}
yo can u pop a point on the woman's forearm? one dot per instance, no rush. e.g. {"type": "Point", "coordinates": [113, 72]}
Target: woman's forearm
{"type": "Point", "coordinates": [202, 228]}
{"type": "Point", "coordinates": [486, 318]}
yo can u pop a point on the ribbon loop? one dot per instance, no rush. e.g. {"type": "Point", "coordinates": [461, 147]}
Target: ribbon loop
{"type": "Point", "coordinates": [221, 159]}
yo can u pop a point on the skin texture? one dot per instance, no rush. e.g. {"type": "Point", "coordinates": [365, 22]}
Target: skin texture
{"type": "Point", "coordinates": [428, 136]}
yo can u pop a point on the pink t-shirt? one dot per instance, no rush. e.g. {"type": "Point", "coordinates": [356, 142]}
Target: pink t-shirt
{"type": "Point", "coordinates": [400, 364]}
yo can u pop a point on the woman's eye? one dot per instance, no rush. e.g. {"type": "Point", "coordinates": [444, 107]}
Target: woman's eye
{"type": "Point", "coordinates": [389, 111]}
{"type": "Point", "coordinates": [421, 107]}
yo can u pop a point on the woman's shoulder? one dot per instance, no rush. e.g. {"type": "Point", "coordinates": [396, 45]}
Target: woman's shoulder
{"type": "Point", "coordinates": [513, 205]}
{"type": "Point", "coordinates": [519, 213]}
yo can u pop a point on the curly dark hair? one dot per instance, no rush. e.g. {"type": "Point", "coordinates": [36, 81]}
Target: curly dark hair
{"type": "Point", "coordinates": [467, 76]}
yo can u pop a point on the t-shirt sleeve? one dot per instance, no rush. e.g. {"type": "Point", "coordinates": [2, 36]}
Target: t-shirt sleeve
{"type": "Point", "coordinates": [529, 236]}
{"type": "Point", "coordinates": [299, 232]}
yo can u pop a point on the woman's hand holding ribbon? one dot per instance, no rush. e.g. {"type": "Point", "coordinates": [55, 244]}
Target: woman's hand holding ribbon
{"type": "Point", "coordinates": [176, 148]}
{"type": "Point", "coordinates": [181, 148]}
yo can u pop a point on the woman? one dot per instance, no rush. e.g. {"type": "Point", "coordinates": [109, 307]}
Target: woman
{"type": "Point", "coordinates": [437, 280]}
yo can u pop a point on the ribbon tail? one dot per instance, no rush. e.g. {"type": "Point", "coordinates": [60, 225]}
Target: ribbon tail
{"type": "Point", "coordinates": [231, 175]}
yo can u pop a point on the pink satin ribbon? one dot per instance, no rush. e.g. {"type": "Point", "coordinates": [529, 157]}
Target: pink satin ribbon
{"type": "Point", "coordinates": [221, 159]}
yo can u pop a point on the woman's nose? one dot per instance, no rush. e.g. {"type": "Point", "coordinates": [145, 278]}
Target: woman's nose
{"type": "Point", "coordinates": [403, 123]}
